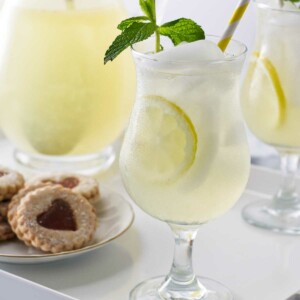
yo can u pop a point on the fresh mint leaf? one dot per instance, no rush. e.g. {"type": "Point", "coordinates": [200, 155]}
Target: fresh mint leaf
{"type": "Point", "coordinates": [182, 30]}
{"type": "Point", "coordinates": [135, 33]}
{"type": "Point", "coordinates": [126, 23]}
{"type": "Point", "coordinates": [148, 7]}
{"type": "Point", "coordinates": [140, 28]}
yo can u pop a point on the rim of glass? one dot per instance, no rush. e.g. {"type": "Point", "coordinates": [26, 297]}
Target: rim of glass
{"type": "Point", "coordinates": [262, 5]}
{"type": "Point", "coordinates": [241, 54]}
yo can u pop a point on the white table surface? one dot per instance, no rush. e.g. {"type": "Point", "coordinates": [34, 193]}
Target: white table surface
{"type": "Point", "coordinates": [255, 264]}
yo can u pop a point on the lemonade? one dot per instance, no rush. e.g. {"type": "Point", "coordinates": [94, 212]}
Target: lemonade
{"type": "Point", "coordinates": [56, 96]}
{"type": "Point", "coordinates": [270, 97]}
{"type": "Point", "coordinates": [271, 106]}
{"type": "Point", "coordinates": [185, 156]}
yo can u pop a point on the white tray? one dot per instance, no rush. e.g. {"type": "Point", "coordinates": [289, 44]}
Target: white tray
{"type": "Point", "coordinates": [13, 287]}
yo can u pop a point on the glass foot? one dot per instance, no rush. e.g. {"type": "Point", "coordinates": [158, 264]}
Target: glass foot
{"type": "Point", "coordinates": [266, 215]}
{"type": "Point", "coordinates": [148, 290]}
{"type": "Point", "coordinates": [90, 164]}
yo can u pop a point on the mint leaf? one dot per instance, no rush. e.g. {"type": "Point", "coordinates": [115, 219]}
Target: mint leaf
{"type": "Point", "coordinates": [135, 33]}
{"type": "Point", "coordinates": [126, 23]}
{"type": "Point", "coordinates": [148, 7]}
{"type": "Point", "coordinates": [182, 30]}
{"type": "Point", "coordinates": [140, 28]}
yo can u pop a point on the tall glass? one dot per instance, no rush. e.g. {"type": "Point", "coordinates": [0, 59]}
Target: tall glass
{"type": "Point", "coordinates": [185, 157]}
{"type": "Point", "coordinates": [271, 106]}
{"type": "Point", "coordinates": [60, 106]}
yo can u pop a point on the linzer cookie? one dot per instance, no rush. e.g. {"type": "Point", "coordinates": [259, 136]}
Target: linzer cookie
{"type": "Point", "coordinates": [10, 183]}
{"type": "Point", "coordinates": [88, 187]}
{"type": "Point", "coordinates": [15, 201]}
{"type": "Point", "coordinates": [53, 219]}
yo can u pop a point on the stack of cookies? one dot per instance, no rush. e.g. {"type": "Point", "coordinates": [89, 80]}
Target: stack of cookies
{"type": "Point", "coordinates": [53, 213]}
{"type": "Point", "coordinates": [10, 184]}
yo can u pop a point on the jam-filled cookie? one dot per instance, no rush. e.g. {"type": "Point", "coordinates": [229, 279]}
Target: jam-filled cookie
{"type": "Point", "coordinates": [88, 187]}
{"type": "Point", "coordinates": [10, 183]}
{"type": "Point", "coordinates": [15, 201]}
{"type": "Point", "coordinates": [53, 219]}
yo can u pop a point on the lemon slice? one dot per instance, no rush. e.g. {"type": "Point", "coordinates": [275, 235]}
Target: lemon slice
{"type": "Point", "coordinates": [266, 91]}
{"type": "Point", "coordinates": [164, 142]}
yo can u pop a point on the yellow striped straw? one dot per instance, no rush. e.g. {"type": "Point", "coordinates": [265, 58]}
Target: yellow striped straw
{"type": "Point", "coordinates": [233, 24]}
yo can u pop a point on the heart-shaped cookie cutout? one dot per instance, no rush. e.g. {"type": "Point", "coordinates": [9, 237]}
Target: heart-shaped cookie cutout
{"type": "Point", "coordinates": [59, 216]}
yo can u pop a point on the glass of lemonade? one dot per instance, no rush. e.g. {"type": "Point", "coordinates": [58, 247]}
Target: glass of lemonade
{"type": "Point", "coordinates": [271, 106]}
{"type": "Point", "coordinates": [60, 106]}
{"type": "Point", "coordinates": [185, 158]}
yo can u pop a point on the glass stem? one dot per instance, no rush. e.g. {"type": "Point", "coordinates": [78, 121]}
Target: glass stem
{"type": "Point", "coordinates": [289, 168]}
{"type": "Point", "coordinates": [181, 278]}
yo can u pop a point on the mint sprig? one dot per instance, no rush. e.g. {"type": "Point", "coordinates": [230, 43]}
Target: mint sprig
{"type": "Point", "coordinates": [149, 9]}
{"type": "Point", "coordinates": [182, 30]}
{"type": "Point", "coordinates": [137, 29]}
{"type": "Point", "coordinates": [126, 23]}
{"type": "Point", "coordinates": [134, 33]}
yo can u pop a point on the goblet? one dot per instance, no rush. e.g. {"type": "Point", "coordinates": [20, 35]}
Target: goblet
{"type": "Point", "coordinates": [271, 106]}
{"type": "Point", "coordinates": [185, 157]}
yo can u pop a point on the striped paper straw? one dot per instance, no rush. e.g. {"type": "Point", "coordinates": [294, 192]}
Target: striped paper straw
{"type": "Point", "coordinates": [233, 24]}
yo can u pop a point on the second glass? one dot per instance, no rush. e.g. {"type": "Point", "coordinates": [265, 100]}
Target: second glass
{"type": "Point", "coordinates": [271, 105]}
{"type": "Point", "coordinates": [185, 157]}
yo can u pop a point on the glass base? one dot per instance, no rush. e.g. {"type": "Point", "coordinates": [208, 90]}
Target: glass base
{"type": "Point", "coordinates": [265, 214]}
{"type": "Point", "coordinates": [148, 290]}
{"type": "Point", "coordinates": [89, 164]}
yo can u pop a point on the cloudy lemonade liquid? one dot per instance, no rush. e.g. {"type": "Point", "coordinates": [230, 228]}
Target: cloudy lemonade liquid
{"type": "Point", "coordinates": [56, 95]}
{"type": "Point", "coordinates": [185, 157]}
{"type": "Point", "coordinates": [270, 94]}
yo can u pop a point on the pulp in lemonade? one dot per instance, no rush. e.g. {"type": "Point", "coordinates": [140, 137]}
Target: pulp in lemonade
{"type": "Point", "coordinates": [185, 157]}
{"type": "Point", "coordinates": [56, 95]}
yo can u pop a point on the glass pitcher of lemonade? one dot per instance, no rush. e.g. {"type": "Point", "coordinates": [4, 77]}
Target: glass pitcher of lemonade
{"type": "Point", "coordinates": [60, 106]}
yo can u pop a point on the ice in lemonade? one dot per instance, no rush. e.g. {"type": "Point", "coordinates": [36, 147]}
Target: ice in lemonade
{"type": "Point", "coordinates": [185, 157]}
{"type": "Point", "coordinates": [270, 98]}
{"type": "Point", "coordinates": [56, 95]}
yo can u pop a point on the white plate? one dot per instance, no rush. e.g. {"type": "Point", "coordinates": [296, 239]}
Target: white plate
{"type": "Point", "coordinates": [115, 216]}
{"type": "Point", "coordinates": [15, 287]}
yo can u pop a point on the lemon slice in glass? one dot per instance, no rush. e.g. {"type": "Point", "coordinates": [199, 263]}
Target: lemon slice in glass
{"type": "Point", "coordinates": [266, 91]}
{"type": "Point", "coordinates": [164, 142]}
